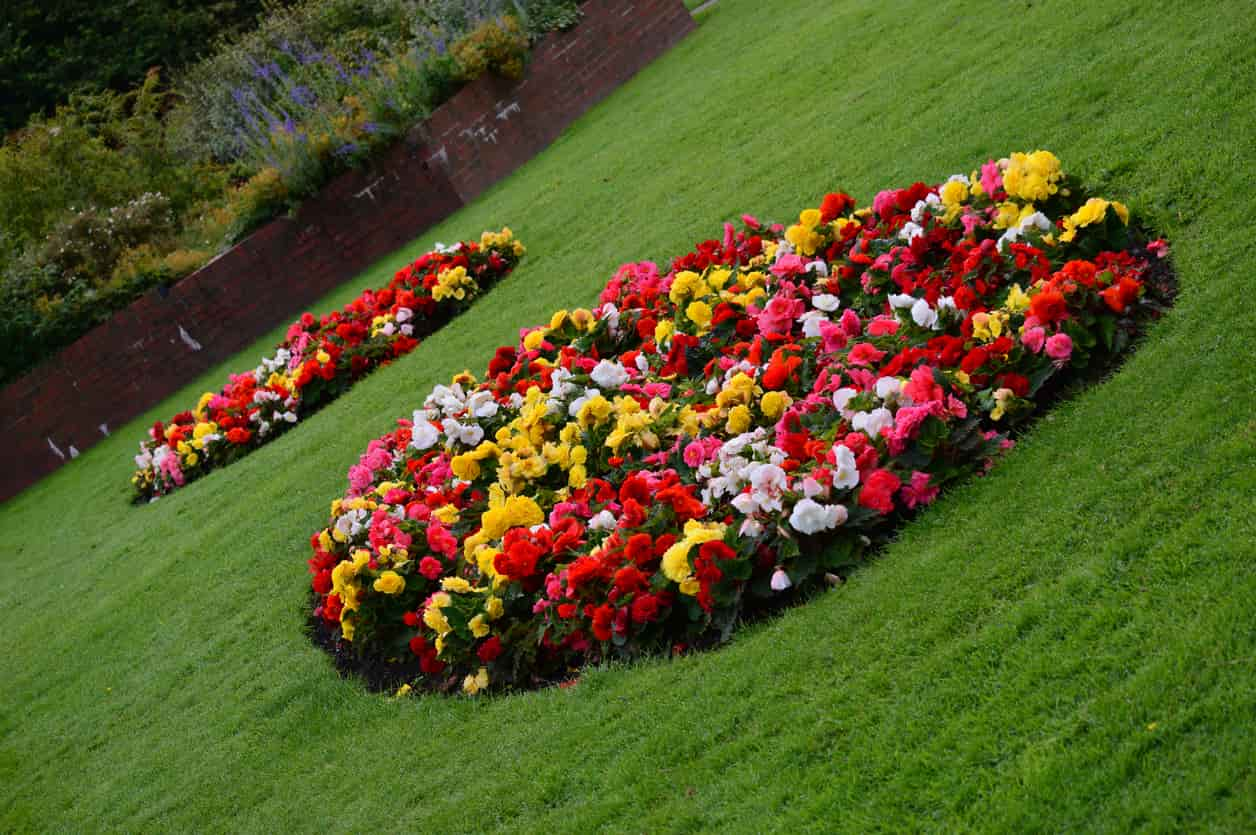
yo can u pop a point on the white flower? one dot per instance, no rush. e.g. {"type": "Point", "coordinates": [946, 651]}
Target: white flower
{"type": "Point", "coordinates": [819, 267]}
{"type": "Point", "coordinates": [899, 301]}
{"type": "Point", "coordinates": [845, 473]}
{"type": "Point", "coordinates": [408, 330]}
{"type": "Point", "coordinates": [811, 323]}
{"type": "Point", "coordinates": [888, 386]}
{"type": "Point", "coordinates": [424, 434]}
{"type": "Point", "coordinates": [745, 504]}
{"type": "Point", "coordinates": [910, 232]}
{"type": "Point", "coordinates": [404, 314]}
{"type": "Point", "coordinates": [289, 416]}
{"type": "Point", "coordinates": [767, 484]}
{"type": "Point", "coordinates": [780, 580]}
{"type": "Point", "coordinates": [468, 434]}
{"type": "Point", "coordinates": [643, 364]}
{"type": "Point", "coordinates": [809, 516]}
{"type": "Point", "coordinates": [826, 302]}
{"type": "Point", "coordinates": [609, 375]}
{"type": "Point", "coordinates": [872, 422]}
{"type": "Point", "coordinates": [843, 396]}
{"type": "Point", "coordinates": [481, 404]}
{"type": "Point", "coordinates": [812, 488]}
{"type": "Point", "coordinates": [603, 521]}
{"type": "Point", "coordinates": [751, 528]}
{"type": "Point", "coordinates": [924, 315]}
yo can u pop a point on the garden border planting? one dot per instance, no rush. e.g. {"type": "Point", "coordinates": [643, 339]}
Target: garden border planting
{"type": "Point", "coordinates": [715, 439]}
{"type": "Point", "coordinates": [153, 347]}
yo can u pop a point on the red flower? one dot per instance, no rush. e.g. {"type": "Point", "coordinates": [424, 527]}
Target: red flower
{"type": "Point", "coordinates": [239, 436]}
{"type": "Point", "coordinates": [431, 568]}
{"type": "Point", "coordinates": [645, 608]}
{"type": "Point", "coordinates": [1048, 307]}
{"type": "Point", "coordinates": [603, 617]}
{"type": "Point", "coordinates": [878, 491]}
{"type": "Point", "coordinates": [1121, 295]}
{"type": "Point", "coordinates": [490, 649]}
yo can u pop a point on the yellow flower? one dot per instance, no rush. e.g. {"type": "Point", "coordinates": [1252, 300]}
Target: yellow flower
{"type": "Point", "coordinates": [699, 313]}
{"type": "Point", "coordinates": [478, 626]}
{"type": "Point", "coordinates": [436, 620]}
{"type": "Point", "coordinates": [494, 607]}
{"type": "Point", "coordinates": [514, 512]}
{"type": "Point", "coordinates": [594, 412]}
{"type": "Point", "coordinates": [390, 582]}
{"type": "Point", "coordinates": [1017, 300]}
{"type": "Point", "coordinates": [686, 285]}
{"type": "Point", "coordinates": [533, 340]}
{"type": "Point", "coordinates": [448, 514]}
{"type": "Point", "coordinates": [675, 562]}
{"type": "Point", "coordinates": [203, 429]}
{"type": "Point", "coordinates": [1002, 398]}
{"type": "Point", "coordinates": [954, 192]}
{"type": "Point", "coordinates": [774, 403]}
{"type": "Point", "coordinates": [558, 320]}
{"type": "Point", "coordinates": [664, 330]}
{"type": "Point", "coordinates": [474, 684]}
{"type": "Point", "coordinates": [323, 357]}
{"type": "Point", "coordinates": [346, 627]}
{"type": "Point", "coordinates": [455, 584]}
{"type": "Point", "coordinates": [738, 420]}
{"type": "Point", "coordinates": [1032, 177]}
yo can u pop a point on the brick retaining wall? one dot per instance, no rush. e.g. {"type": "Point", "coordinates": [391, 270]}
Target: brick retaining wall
{"type": "Point", "coordinates": [152, 348]}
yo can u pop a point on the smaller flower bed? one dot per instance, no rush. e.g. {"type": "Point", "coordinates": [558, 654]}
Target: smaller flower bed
{"type": "Point", "coordinates": [318, 360]}
{"type": "Point", "coordinates": [715, 437]}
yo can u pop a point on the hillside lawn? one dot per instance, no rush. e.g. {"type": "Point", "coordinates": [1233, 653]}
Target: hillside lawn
{"type": "Point", "coordinates": [1068, 644]}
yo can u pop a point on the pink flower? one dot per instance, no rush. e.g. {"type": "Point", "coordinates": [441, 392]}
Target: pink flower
{"type": "Point", "coordinates": [883, 203]}
{"type": "Point", "coordinates": [779, 315]}
{"type": "Point", "coordinates": [971, 221]}
{"type": "Point", "coordinates": [882, 326]}
{"type": "Point", "coordinates": [751, 221]}
{"type": "Point", "coordinates": [1033, 338]}
{"type": "Point", "coordinates": [359, 479]}
{"type": "Point", "coordinates": [850, 323]}
{"type": "Point", "coordinates": [865, 353]}
{"type": "Point", "coordinates": [833, 336]}
{"type": "Point", "coordinates": [729, 238]}
{"type": "Point", "coordinates": [440, 540]}
{"type": "Point", "coordinates": [923, 388]}
{"type": "Point", "coordinates": [991, 178]}
{"type": "Point", "coordinates": [918, 491]}
{"type": "Point", "coordinates": [789, 265]}
{"type": "Point", "coordinates": [1060, 347]}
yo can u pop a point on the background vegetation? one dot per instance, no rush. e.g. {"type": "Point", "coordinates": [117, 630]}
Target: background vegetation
{"type": "Point", "coordinates": [1066, 645]}
{"type": "Point", "coordinates": [116, 192]}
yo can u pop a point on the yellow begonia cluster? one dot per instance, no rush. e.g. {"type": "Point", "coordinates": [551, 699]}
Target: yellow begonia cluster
{"type": "Point", "coordinates": [454, 283]}
{"type": "Point", "coordinates": [1032, 177]}
{"type": "Point", "coordinates": [1092, 211]}
{"type": "Point", "coordinates": [803, 235]}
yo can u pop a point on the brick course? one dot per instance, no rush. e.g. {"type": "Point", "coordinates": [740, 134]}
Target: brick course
{"type": "Point", "coordinates": [488, 129]}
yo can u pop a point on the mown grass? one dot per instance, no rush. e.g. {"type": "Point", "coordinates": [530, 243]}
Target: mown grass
{"type": "Point", "coordinates": [1068, 644]}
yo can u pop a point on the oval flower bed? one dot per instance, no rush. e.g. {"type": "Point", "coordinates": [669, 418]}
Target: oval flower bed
{"type": "Point", "coordinates": [714, 437]}
{"type": "Point", "coordinates": [318, 360]}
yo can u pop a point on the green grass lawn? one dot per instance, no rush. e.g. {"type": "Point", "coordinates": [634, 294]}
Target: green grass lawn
{"type": "Point", "coordinates": [1066, 645]}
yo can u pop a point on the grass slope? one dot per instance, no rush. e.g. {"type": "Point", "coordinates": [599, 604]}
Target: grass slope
{"type": "Point", "coordinates": [1068, 644]}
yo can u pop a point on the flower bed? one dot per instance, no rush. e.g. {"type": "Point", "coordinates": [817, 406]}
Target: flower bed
{"type": "Point", "coordinates": [318, 360]}
{"type": "Point", "coordinates": [713, 438]}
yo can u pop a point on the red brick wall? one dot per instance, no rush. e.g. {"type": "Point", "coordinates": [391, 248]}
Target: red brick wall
{"type": "Point", "coordinates": [493, 126]}
{"type": "Point", "coordinates": [490, 128]}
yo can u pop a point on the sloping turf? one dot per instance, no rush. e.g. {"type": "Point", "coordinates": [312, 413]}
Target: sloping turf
{"type": "Point", "coordinates": [1069, 644]}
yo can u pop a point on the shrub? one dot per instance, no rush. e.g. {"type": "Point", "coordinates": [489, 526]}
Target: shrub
{"type": "Point", "coordinates": [497, 46]}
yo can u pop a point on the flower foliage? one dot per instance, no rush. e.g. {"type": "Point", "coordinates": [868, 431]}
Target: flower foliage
{"type": "Point", "coordinates": [318, 360]}
{"type": "Point", "coordinates": [638, 477]}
